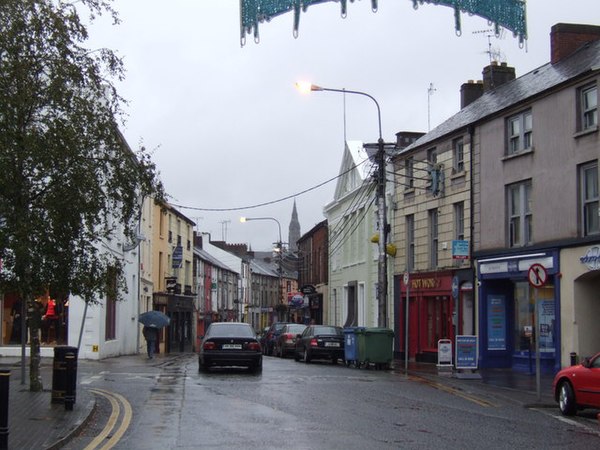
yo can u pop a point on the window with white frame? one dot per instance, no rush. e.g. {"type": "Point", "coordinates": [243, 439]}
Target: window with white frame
{"type": "Point", "coordinates": [458, 156]}
{"type": "Point", "coordinates": [459, 221]}
{"type": "Point", "coordinates": [410, 242]}
{"type": "Point", "coordinates": [588, 176]}
{"type": "Point", "coordinates": [520, 232]}
{"type": "Point", "coordinates": [519, 132]}
{"type": "Point", "coordinates": [433, 238]}
{"type": "Point", "coordinates": [589, 107]}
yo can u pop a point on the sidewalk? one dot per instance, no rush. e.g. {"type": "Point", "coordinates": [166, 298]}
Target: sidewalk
{"type": "Point", "coordinates": [36, 423]}
{"type": "Point", "coordinates": [520, 387]}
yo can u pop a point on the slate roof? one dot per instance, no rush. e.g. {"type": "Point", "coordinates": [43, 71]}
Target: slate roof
{"type": "Point", "coordinates": [263, 268]}
{"type": "Point", "coordinates": [203, 254]}
{"type": "Point", "coordinates": [585, 60]}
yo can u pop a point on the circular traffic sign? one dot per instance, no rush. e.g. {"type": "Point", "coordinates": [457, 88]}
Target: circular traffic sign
{"type": "Point", "coordinates": [537, 275]}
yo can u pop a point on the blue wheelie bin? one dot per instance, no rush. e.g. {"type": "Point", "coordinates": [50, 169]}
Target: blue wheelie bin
{"type": "Point", "coordinates": [351, 346]}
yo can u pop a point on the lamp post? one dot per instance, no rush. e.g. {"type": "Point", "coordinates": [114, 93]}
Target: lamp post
{"type": "Point", "coordinates": [279, 249]}
{"type": "Point", "coordinates": [381, 206]}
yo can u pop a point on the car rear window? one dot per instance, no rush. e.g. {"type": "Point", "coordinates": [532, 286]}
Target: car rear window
{"type": "Point", "coordinates": [296, 328]}
{"type": "Point", "coordinates": [230, 330]}
{"type": "Point", "coordinates": [327, 330]}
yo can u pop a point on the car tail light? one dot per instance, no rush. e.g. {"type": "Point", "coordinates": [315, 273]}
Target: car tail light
{"type": "Point", "coordinates": [254, 346]}
{"type": "Point", "coordinates": [313, 343]}
{"type": "Point", "coordinates": [209, 345]}
{"type": "Point", "coordinates": [288, 336]}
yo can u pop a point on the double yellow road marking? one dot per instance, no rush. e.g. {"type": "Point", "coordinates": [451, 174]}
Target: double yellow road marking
{"type": "Point", "coordinates": [116, 402]}
{"type": "Point", "coordinates": [453, 391]}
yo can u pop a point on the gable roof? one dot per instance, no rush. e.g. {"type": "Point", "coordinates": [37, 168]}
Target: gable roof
{"type": "Point", "coordinates": [583, 61]}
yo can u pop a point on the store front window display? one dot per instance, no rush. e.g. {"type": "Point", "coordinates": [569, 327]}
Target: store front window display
{"type": "Point", "coordinates": [54, 320]}
{"type": "Point", "coordinates": [525, 320]}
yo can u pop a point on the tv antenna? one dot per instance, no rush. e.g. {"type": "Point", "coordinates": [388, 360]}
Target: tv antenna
{"type": "Point", "coordinates": [224, 229]}
{"type": "Point", "coordinates": [430, 92]}
{"type": "Point", "coordinates": [494, 54]}
{"type": "Point", "coordinates": [196, 220]}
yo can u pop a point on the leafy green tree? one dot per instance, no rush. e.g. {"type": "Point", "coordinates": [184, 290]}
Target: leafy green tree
{"type": "Point", "coordinates": [68, 179]}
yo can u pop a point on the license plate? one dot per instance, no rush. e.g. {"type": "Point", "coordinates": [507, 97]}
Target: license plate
{"type": "Point", "coordinates": [232, 346]}
{"type": "Point", "coordinates": [332, 344]}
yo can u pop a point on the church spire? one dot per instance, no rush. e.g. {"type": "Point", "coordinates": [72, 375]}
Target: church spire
{"type": "Point", "coordinates": [294, 231]}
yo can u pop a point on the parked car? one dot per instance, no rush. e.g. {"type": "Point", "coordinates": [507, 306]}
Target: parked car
{"type": "Point", "coordinates": [286, 341]}
{"type": "Point", "coordinates": [320, 342]}
{"type": "Point", "coordinates": [578, 387]}
{"type": "Point", "coordinates": [272, 334]}
{"type": "Point", "coordinates": [230, 344]}
{"type": "Point", "coordinates": [262, 337]}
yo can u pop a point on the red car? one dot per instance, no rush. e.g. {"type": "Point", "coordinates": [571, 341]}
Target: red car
{"type": "Point", "coordinates": [578, 387]}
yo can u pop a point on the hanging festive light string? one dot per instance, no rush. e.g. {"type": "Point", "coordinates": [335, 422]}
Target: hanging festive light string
{"type": "Point", "coordinates": [509, 14]}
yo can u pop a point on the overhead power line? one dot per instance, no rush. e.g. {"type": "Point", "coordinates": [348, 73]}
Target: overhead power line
{"type": "Point", "coordinates": [240, 208]}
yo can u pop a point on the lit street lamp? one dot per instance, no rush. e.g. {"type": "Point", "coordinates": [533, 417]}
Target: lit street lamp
{"type": "Point", "coordinates": [279, 249]}
{"type": "Point", "coordinates": [381, 178]}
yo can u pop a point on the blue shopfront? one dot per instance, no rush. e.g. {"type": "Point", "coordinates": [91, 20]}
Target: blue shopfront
{"type": "Point", "coordinates": [517, 306]}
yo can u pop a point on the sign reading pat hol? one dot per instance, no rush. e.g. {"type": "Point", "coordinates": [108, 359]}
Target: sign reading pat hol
{"type": "Point", "coordinates": [592, 258]}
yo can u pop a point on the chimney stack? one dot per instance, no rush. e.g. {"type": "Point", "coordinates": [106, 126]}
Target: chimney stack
{"type": "Point", "coordinates": [496, 75]}
{"type": "Point", "coordinates": [470, 91]}
{"type": "Point", "coordinates": [566, 38]}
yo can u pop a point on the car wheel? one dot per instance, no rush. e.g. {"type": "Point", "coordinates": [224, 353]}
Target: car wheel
{"type": "Point", "coordinates": [257, 368]}
{"type": "Point", "coordinates": [202, 367]}
{"type": "Point", "coordinates": [296, 355]}
{"type": "Point", "coordinates": [306, 356]}
{"type": "Point", "coordinates": [566, 399]}
{"type": "Point", "coordinates": [334, 360]}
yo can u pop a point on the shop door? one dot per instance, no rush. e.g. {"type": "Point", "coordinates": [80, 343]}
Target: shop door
{"type": "Point", "coordinates": [438, 321]}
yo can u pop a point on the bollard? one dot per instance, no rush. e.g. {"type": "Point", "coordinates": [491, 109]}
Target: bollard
{"type": "Point", "coordinates": [70, 381]}
{"type": "Point", "coordinates": [573, 358]}
{"type": "Point", "coordinates": [4, 389]}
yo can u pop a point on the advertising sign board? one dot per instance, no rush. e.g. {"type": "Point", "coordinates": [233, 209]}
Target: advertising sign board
{"type": "Point", "coordinates": [466, 352]}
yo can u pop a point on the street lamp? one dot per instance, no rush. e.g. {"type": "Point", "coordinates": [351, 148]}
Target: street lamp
{"type": "Point", "coordinates": [381, 207]}
{"type": "Point", "coordinates": [279, 249]}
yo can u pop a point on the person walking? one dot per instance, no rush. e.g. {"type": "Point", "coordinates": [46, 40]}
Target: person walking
{"type": "Point", "coordinates": [151, 336]}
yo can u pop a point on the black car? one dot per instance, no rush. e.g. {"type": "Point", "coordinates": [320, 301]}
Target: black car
{"type": "Point", "coordinates": [320, 342]}
{"type": "Point", "coordinates": [271, 336]}
{"type": "Point", "coordinates": [286, 341]}
{"type": "Point", "coordinates": [230, 344]}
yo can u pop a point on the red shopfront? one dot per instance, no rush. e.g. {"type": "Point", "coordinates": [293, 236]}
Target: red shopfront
{"type": "Point", "coordinates": [432, 313]}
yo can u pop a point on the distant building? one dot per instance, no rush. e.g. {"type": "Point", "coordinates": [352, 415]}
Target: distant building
{"type": "Point", "coordinates": [294, 231]}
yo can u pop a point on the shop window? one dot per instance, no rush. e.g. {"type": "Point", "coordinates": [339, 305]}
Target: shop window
{"type": "Point", "coordinates": [439, 321]}
{"type": "Point", "coordinates": [525, 320]}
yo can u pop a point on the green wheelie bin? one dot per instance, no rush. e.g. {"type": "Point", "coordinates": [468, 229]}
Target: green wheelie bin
{"type": "Point", "coordinates": [375, 347]}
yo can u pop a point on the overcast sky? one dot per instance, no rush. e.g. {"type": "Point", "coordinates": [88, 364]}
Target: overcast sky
{"type": "Point", "coordinates": [231, 131]}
